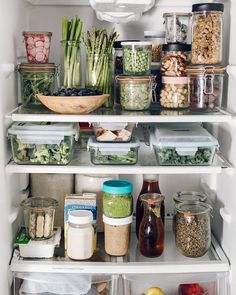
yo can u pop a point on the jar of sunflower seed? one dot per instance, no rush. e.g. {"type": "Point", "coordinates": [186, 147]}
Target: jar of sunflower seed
{"type": "Point", "coordinates": [193, 228]}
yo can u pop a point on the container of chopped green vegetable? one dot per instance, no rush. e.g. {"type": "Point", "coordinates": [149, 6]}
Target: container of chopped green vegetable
{"type": "Point", "coordinates": [34, 79]}
{"type": "Point", "coordinates": [113, 153]}
{"type": "Point", "coordinates": [117, 198]}
{"type": "Point", "coordinates": [42, 143]}
{"type": "Point", "coordinates": [181, 145]}
{"type": "Point", "coordinates": [136, 92]}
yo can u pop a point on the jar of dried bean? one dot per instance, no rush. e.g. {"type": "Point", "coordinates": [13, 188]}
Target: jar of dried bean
{"type": "Point", "coordinates": [175, 58]}
{"type": "Point", "coordinates": [205, 86]}
{"type": "Point", "coordinates": [174, 94]}
{"type": "Point", "coordinates": [193, 228]}
{"type": "Point", "coordinates": [207, 31]}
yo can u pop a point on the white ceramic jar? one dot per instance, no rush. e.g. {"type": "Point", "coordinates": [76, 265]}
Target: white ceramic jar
{"type": "Point", "coordinates": [80, 235]}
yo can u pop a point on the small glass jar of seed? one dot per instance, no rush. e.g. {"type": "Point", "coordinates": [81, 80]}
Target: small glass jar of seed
{"type": "Point", "coordinates": [137, 58]}
{"type": "Point", "coordinates": [193, 228]}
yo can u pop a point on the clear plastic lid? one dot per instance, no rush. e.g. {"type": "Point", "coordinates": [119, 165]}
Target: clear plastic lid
{"type": "Point", "coordinates": [189, 196]}
{"type": "Point", "coordinates": [185, 138]}
{"type": "Point", "coordinates": [194, 208]}
{"type": "Point", "coordinates": [110, 126]}
{"type": "Point", "coordinates": [112, 148]}
{"type": "Point", "coordinates": [39, 203]}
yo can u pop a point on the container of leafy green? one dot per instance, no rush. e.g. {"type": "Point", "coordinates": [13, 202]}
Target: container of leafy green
{"type": "Point", "coordinates": [182, 145]}
{"type": "Point", "coordinates": [113, 153]}
{"type": "Point", "coordinates": [34, 79]}
{"type": "Point", "coordinates": [42, 143]}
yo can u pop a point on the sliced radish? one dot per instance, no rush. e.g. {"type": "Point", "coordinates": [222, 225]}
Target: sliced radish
{"type": "Point", "coordinates": [46, 39]}
{"type": "Point", "coordinates": [46, 44]}
{"type": "Point", "coordinates": [30, 41]}
{"type": "Point", "coordinates": [39, 49]}
{"type": "Point", "coordinates": [39, 44]}
{"type": "Point", "coordinates": [32, 52]}
{"type": "Point", "coordinates": [39, 56]}
{"type": "Point", "coordinates": [36, 39]}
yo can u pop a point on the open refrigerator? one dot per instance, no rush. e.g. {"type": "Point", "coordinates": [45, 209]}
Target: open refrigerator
{"type": "Point", "coordinates": [133, 274]}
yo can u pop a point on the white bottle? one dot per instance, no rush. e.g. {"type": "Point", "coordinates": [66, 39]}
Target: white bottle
{"type": "Point", "coordinates": [80, 235]}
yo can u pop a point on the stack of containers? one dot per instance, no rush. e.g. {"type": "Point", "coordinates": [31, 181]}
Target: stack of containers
{"type": "Point", "coordinates": [136, 84]}
{"type": "Point", "coordinates": [206, 72]}
{"type": "Point", "coordinates": [175, 58]}
{"type": "Point", "coordinates": [36, 76]}
{"type": "Point", "coordinates": [117, 216]}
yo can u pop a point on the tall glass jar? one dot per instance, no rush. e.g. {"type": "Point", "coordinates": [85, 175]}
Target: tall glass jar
{"type": "Point", "coordinates": [99, 75]}
{"type": "Point", "coordinates": [151, 230]}
{"type": "Point", "coordinates": [71, 64]}
{"type": "Point", "coordinates": [207, 33]}
{"type": "Point", "coordinates": [34, 79]}
{"type": "Point", "coordinates": [193, 228]}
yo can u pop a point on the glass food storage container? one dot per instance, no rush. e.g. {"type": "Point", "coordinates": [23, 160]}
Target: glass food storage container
{"type": "Point", "coordinates": [157, 38]}
{"type": "Point", "coordinates": [37, 46]}
{"type": "Point", "coordinates": [177, 27]}
{"type": "Point", "coordinates": [39, 215]}
{"type": "Point", "coordinates": [117, 198]}
{"type": "Point", "coordinates": [36, 79]}
{"type": "Point", "coordinates": [205, 86]}
{"type": "Point", "coordinates": [113, 153]}
{"type": "Point", "coordinates": [42, 143]}
{"type": "Point", "coordinates": [174, 94]}
{"type": "Point", "coordinates": [207, 33]}
{"type": "Point", "coordinates": [113, 132]}
{"type": "Point", "coordinates": [181, 145]}
{"type": "Point", "coordinates": [193, 228]}
{"type": "Point", "coordinates": [71, 64]}
{"type": "Point", "coordinates": [117, 235]}
{"type": "Point", "coordinates": [137, 58]}
{"type": "Point", "coordinates": [136, 92]}
{"type": "Point", "coordinates": [175, 58]}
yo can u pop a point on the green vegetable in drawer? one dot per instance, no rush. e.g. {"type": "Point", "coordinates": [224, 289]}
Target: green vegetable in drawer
{"type": "Point", "coordinates": [98, 158]}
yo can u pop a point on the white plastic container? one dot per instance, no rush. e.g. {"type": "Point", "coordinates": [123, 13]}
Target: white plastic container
{"type": "Point", "coordinates": [41, 249]}
{"type": "Point", "coordinates": [113, 132]}
{"type": "Point", "coordinates": [113, 153]}
{"type": "Point", "coordinates": [181, 145]}
{"type": "Point", "coordinates": [40, 143]}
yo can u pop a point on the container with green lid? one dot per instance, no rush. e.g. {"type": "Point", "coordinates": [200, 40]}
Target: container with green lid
{"type": "Point", "coordinates": [117, 198]}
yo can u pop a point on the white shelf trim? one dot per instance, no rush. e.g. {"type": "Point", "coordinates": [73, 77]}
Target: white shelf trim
{"type": "Point", "coordinates": [59, 2]}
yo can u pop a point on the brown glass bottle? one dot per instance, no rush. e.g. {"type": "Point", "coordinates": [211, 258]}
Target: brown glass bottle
{"type": "Point", "coordinates": [150, 185]}
{"type": "Point", "coordinates": [151, 230]}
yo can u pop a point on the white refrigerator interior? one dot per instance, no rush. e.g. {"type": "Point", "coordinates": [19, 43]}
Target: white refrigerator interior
{"type": "Point", "coordinates": [218, 181]}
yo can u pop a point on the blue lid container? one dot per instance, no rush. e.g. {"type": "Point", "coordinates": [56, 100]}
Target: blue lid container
{"type": "Point", "coordinates": [117, 187]}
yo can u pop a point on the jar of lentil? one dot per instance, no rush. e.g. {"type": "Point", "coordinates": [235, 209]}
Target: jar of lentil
{"type": "Point", "coordinates": [137, 58]}
{"type": "Point", "coordinates": [117, 198]}
{"type": "Point", "coordinates": [205, 86]}
{"type": "Point", "coordinates": [193, 228]}
{"type": "Point", "coordinates": [117, 235]}
{"type": "Point", "coordinates": [177, 27]}
{"type": "Point", "coordinates": [207, 33]}
{"type": "Point", "coordinates": [181, 197]}
{"type": "Point", "coordinates": [174, 94]}
{"type": "Point", "coordinates": [34, 79]}
{"type": "Point", "coordinates": [175, 58]}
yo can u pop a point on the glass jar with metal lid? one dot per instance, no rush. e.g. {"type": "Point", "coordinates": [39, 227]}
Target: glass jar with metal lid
{"type": "Point", "coordinates": [177, 27]}
{"type": "Point", "coordinates": [175, 58]}
{"type": "Point", "coordinates": [193, 228]}
{"type": "Point", "coordinates": [136, 92]}
{"type": "Point", "coordinates": [207, 33]}
{"type": "Point", "coordinates": [205, 86]}
{"type": "Point", "coordinates": [36, 78]}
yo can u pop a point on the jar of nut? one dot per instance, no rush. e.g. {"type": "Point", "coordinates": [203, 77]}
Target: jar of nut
{"type": "Point", "coordinates": [207, 31]}
{"type": "Point", "coordinates": [175, 58]}
{"type": "Point", "coordinates": [174, 94]}
{"type": "Point", "coordinates": [205, 86]}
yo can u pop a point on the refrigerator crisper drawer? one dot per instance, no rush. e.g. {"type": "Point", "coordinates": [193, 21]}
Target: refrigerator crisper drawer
{"type": "Point", "coordinates": [208, 283]}
{"type": "Point", "coordinates": [65, 284]}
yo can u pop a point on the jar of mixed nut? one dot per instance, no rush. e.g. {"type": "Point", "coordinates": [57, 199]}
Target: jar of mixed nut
{"type": "Point", "coordinates": [157, 38]}
{"type": "Point", "coordinates": [177, 27]}
{"type": "Point", "coordinates": [175, 58]}
{"type": "Point", "coordinates": [193, 228]}
{"type": "Point", "coordinates": [137, 58]}
{"type": "Point", "coordinates": [207, 33]}
{"type": "Point", "coordinates": [174, 94]}
{"type": "Point", "coordinates": [205, 86]}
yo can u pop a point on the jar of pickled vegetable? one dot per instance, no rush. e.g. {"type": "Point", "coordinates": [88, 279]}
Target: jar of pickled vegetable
{"type": "Point", "coordinates": [36, 78]}
{"type": "Point", "coordinates": [193, 228]}
{"type": "Point", "coordinates": [117, 198]}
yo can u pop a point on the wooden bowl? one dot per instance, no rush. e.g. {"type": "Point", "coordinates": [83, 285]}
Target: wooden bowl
{"type": "Point", "coordinates": [73, 104]}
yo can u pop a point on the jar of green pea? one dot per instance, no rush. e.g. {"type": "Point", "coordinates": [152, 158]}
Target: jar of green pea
{"type": "Point", "coordinates": [137, 58]}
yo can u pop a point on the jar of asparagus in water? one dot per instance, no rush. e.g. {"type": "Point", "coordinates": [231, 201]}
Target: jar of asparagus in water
{"type": "Point", "coordinates": [34, 79]}
{"type": "Point", "coordinates": [193, 228]}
